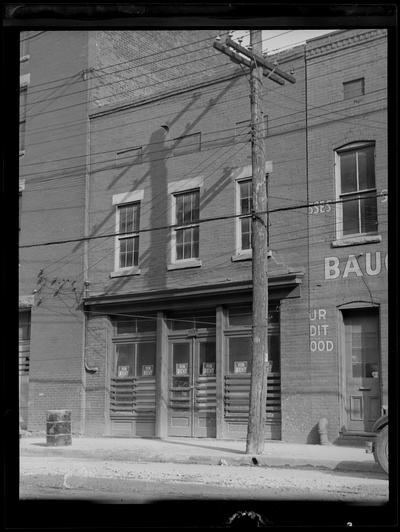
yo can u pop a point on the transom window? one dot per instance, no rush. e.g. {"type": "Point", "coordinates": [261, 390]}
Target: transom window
{"type": "Point", "coordinates": [245, 203]}
{"type": "Point", "coordinates": [128, 222]}
{"type": "Point", "coordinates": [136, 359]}
{"type": "Point", "coordinates": [187, 225]}
{"type": "Point", "coordinates": [357, 213]}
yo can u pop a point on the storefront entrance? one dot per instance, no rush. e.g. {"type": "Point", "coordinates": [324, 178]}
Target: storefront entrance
{"type": "Point", "coordinates": [192, 387]}
{"type": "Point", "coordinates": [362, 354]}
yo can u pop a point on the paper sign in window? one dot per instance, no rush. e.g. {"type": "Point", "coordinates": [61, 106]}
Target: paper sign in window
{"type": "Point", "coordinates": [240, 366]}
{"type": "Point", "coordinates": [147, 370]}
{"type": "Point", "coordinates": [208, 368]}
{"type": "Point", "coordinates": [123, 371]}
{"type": "Point", "coordinates": [181, 369]}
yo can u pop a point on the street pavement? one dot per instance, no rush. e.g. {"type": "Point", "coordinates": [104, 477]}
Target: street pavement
{"type": "Point", "coordinates": [207, 452]}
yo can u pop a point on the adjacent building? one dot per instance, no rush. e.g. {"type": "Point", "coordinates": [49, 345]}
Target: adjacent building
{"type": "Point", "coordinates": [139, 165]}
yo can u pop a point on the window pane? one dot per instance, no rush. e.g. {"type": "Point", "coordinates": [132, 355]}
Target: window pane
{"type": "Point", "coordinates": [207, 358]}
{"type": "Point", "coordinates": [24, 326]}
{"type": "Point", "coordinates": [187, 243]}
{"type": "Point", "coordinates": [146, 359]}
{"type": "Point", "coordinates": [125, 360]}
{"type": "Point", "coordinates": [350, 217]}
{"type": "Point", "coordinates": [195, 206]}
{"type": "Point", "coordinates": [240, 355]}
{"type": "Point", "coordinates": [129, 251]}
{"type": "Point", "coordinates": [195, 242]}
{"type": "Point", "coordinates": [147, 324]}
{"type": "Point", "coordinates": [246, 199]}
{"type": "Point", "coordinates": [179, 209]}
{"type": "Point", "coordinates": [368, 214]}
{"type": "Point", "coordinates": [366, 168]}
{"type": "Point", "coordinates": [241, 316]}
{"type": "Point", "coordinates": [126, 327]}
{"type": "Point", "coordinates": [180, 359]}
{"type": "Point", "coordinates": [348, 172]}
{"type": "Point", "coordinates": [246, 233]}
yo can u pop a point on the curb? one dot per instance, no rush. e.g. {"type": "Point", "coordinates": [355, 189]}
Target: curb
{"type": "Point", "coordinates": [247, 460]}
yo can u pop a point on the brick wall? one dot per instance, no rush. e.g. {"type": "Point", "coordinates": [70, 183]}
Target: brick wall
{"type": "Point", "coordinates": [53, 167]}
{"type": "Point", "coordinates": [333, 122]}
{"type": "Point", "coordinates": [97, 381]}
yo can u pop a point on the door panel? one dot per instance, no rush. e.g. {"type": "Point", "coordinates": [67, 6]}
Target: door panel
{"type": "Point", "coordinates": [205, 389]}
{"type": "Point", "coordinates": [180, 389]}
{"type": "Point", "coordinates": [192, 388]}
{"type": "Point", "coordinates": [362, 353]}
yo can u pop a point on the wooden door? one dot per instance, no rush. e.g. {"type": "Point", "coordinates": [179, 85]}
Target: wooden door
{"type": "Point", "coordinates": [204, 390]}
{"type": "Point", "coordinates": [192, 388]}
{"type": "Point", "coordinates": [362, 352]}
{"type": "Point", "coordinates": [180, 411]}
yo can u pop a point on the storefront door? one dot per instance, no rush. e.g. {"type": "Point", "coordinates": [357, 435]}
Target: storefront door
{"type": "Point", "coordinates": [192, 392]}
{"type": "Point", "coordinates": [362, 368]}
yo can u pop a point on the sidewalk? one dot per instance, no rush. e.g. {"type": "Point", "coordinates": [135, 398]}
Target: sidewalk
{"type": "Point", "coordinates": [206, 451]}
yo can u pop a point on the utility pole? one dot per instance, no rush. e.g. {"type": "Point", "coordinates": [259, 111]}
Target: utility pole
{"type": "Point", "coordinates": [252, 57]}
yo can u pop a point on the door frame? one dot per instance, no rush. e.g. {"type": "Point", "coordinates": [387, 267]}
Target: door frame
{"type": "Point", "coordinates": [341, 343]}
{"type": "Point", "coordinates": [194, 340]}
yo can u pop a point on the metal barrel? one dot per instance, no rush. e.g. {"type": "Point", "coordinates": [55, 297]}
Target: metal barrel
{"type": "Point", "coordinates": [58, 427]}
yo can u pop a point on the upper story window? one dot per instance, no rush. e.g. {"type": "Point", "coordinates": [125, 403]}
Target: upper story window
{"type": "Point", "coordinates": [356, 187]}
{"type": "Point", "coordinates": [127, 228]}
{"type": "Point", "coordinates": [353, 88]}
{"type": "Point", "coordinates": [245, 207]}
{"type": "Point", "coordinates": [187, 225]}
{"type": "Point", "coordinates": [128, 239]}
{"type": "Point", "coordinates": [23, 93]}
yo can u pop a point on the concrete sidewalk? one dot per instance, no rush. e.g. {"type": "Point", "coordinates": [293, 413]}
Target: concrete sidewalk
{"type": "Point", "coordinates": [206, 451]}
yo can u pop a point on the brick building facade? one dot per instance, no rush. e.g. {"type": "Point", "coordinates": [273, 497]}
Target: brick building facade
{"type": "Point", "coordinates": [154, 294]}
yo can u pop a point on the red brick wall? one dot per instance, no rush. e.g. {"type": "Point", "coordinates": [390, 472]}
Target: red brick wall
{"type": "Point", "coordinates": [334, 122]}
{"type": "Point", "coordinates": [53, 209]}
{"type": "Point", "coordinates": [97, 355]}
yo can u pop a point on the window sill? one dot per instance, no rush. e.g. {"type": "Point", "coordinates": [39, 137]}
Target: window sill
{"type": "Point", "coordinates": [356, 240]}
{"type": "Point", "coordinates": [192, 263]}
{"type": "Point", "coordinates": [125, 273]}
{"type": "Point", "coordinates": [244, 255]}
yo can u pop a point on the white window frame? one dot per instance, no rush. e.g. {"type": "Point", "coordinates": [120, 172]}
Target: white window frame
{"type": "Point", "coordinates": [175, 260]}
{"type": "Point", "coordinates": [239, 175]}
{"type": "Point", "coordinates": [339, 205]}
{"type": "Point", "coordinates": [239, 217]}
{"type": "Point", "coordinates": [175, 188]}
{"type": "Point", "coordinates": [123, 200]}
{"type": "Point", "coordinates": [24, 82]}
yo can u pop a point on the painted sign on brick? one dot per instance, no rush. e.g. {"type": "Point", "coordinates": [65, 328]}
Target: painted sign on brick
{"type": "Point", "coordinates": [356, 266]}
{"type": "Point", "coordinates": [319, 331]}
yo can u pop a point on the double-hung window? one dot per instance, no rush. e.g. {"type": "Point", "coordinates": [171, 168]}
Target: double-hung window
{"type": "Point", "coordinates": [128, 220]}
{"type": "Point", "coordinates": [187, 225]}
{"type": "Point", "coordinates": [357, 208]}
{"type": "Point", "coordinates": [245, 205]}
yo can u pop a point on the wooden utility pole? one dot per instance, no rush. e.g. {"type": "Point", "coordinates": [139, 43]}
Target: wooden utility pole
{"type": "Point", "coordinates": [252, 57]}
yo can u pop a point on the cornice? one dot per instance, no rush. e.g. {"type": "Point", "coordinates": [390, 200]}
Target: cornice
{"type": "Point", "coordinates": [333, 43]}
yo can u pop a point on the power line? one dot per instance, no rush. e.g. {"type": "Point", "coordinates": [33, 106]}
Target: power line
{"type": "Point", "coordinates": [173, 226]}
{"type": "Point", "coordinates": [272, 89]}
{"type": "Point", "coordinates": [270, 127]}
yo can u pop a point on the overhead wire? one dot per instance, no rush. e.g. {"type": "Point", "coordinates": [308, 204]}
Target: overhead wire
{"type": "Point", "coordinates": [270, 90]}
{"type": "Point", "coordinates": [270, 128]}
{"type": "Point", "coordinates": [200, 221]}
